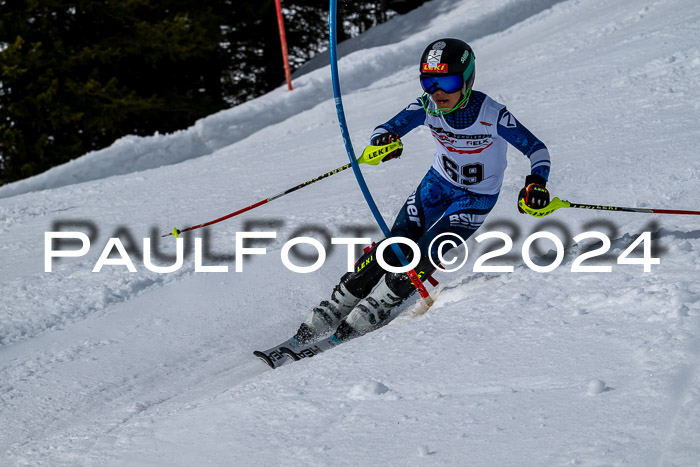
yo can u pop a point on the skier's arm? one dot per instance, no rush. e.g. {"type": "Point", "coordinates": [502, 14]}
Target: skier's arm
{"type": "Point", "coordinates": [409, 118]}
{"type": "Point", "coordinates": [510, 129]}
{"type": "Point", "coordinates": [403, 122]}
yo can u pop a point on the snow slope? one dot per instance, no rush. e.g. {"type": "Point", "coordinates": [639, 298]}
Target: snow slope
{"type": "Point", "coordinates": [521, 368]}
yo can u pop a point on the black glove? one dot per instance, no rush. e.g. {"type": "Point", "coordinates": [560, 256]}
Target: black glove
{"type": "Point", "coordinates": [534, 193]}
{"type": "Point", "coordinates": [383, 140]}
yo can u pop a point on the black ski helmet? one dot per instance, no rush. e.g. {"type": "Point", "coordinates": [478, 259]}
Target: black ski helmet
{"type": "Point", "coordinates": [445, 57]}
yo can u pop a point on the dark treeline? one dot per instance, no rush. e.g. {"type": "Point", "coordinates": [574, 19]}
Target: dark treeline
{"type": "Point", "coordinates": [76, 75]}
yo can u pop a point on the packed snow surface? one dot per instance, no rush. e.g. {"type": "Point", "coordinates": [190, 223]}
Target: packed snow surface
{"type": "Point", "coordinates": [507, 368]}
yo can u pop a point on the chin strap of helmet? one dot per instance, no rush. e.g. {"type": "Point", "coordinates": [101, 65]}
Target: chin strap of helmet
{"type": "Point", "coordinates": [437, 112]}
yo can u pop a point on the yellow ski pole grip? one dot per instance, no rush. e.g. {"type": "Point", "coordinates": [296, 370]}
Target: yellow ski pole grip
{"type": "Point", "coordinates": [553, 205]}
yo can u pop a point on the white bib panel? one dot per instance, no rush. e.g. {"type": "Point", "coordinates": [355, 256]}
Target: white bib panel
{"type": "Point", "coordinates": [473, 158]}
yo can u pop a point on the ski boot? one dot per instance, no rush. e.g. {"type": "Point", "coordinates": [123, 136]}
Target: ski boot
{"type": "Point", "coordinates": [374, 310]}
{"type": "Point", "coordinates": [352, 288]}
{"type": "Point", "coordinates": [327, 315]}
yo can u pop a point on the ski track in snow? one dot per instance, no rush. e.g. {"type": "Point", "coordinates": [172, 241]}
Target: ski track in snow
{"type": "Point", "coordinates": [522, 368]}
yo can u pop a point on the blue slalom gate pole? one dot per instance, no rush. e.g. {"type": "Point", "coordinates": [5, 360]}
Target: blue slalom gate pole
{"type": "Point", "coordinates": [351, 153]}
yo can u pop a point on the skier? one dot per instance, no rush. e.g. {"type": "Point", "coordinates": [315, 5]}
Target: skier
{"type": "Point", "coordinates": [460, 189]}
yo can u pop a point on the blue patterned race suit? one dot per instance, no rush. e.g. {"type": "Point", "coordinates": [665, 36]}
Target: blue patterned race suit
{"type": "Point", "coordinates": [436, 207]}
{"type": "Point", "coordinates": [463, 184]}
{"type": "Point", "coordinates": [455, 196]}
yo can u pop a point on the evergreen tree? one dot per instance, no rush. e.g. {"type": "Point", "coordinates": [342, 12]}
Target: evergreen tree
{"type": "Point", "coordinates": [77, 74]}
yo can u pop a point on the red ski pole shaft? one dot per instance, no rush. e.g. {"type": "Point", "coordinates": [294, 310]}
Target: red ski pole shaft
{"type": "Point", "coordinates": [642, 210]}
{"type": "Point", "coordinates": [177, 231]}
{"type": "Point", "coordinates": [557, 203]}
{"type": "Point", "coordinates": [372, 155]}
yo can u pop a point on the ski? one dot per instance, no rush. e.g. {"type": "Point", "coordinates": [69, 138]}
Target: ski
{"type": "Point", "coordinates": [274, 357]}
{"type": "Point", "coordinates": [310, 350]}
{"type": "Point", "coordinates": [291, 350]}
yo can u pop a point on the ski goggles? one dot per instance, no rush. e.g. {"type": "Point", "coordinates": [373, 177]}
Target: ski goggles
{"type": "Point", "coordinates": [449, 84]}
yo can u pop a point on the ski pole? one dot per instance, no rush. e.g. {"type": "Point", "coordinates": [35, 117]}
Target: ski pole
{"type": "Point", "coordinates": [557, 203]}
{"type": "Point", "coordinates": [372, 155]}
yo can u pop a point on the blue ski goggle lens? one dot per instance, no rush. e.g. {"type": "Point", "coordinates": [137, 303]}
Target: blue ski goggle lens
{"type": "Point", "coordinates": [449, 84]}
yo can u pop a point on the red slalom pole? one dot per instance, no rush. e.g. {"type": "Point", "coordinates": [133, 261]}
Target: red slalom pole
{"type": "Point", "coordinates": [283, 40]}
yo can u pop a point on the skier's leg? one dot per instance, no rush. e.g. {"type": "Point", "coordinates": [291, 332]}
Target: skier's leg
{"type": "Point", "coordinates": [353, 286]}
{"type": "Point", "coordinates": [422, 208]}
{"type": "Point", "coordinates": [411, 223]}
{"type": "Point", "coordinates": [463, 217]}
{"type": "Point", "coordinates": [373, 310]}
